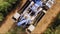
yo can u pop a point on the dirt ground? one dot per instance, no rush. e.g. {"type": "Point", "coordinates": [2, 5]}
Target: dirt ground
{"type": "Point", "coordinates": [8, 23]}
{"type": "Point", "coordinates": [48, 18]}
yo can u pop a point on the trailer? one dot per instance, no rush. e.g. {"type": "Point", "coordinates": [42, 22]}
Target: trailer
{"type": "Point", "coordinates": [34, 12]}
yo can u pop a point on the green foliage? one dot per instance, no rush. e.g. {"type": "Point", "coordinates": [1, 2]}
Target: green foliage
{"type": "Point", "coordinates": [1, 17]}
{"type": "Point", "coordinates": [16, 30]}
{"type": "Point", "coordinates": [57, 30]}
{"type": "Point", "coordinates": [5, 5]}
{"type": "Point", "coordinates": [11, 1]}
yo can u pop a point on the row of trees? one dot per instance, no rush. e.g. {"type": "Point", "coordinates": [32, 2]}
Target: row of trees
{"type": "Point", "coordinates": [5, 7]}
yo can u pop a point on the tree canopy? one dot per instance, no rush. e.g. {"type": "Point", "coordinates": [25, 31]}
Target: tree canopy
{"type": "Point", "coordinates": [1, 17]}
{"type": "Point", "coordinates": [4, 7]}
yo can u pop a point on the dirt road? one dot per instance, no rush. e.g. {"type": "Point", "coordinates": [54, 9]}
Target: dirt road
{"type": "Point", "coordinates": [9, 21]}
{"type": "Point", "coordinates": [47, 19]}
